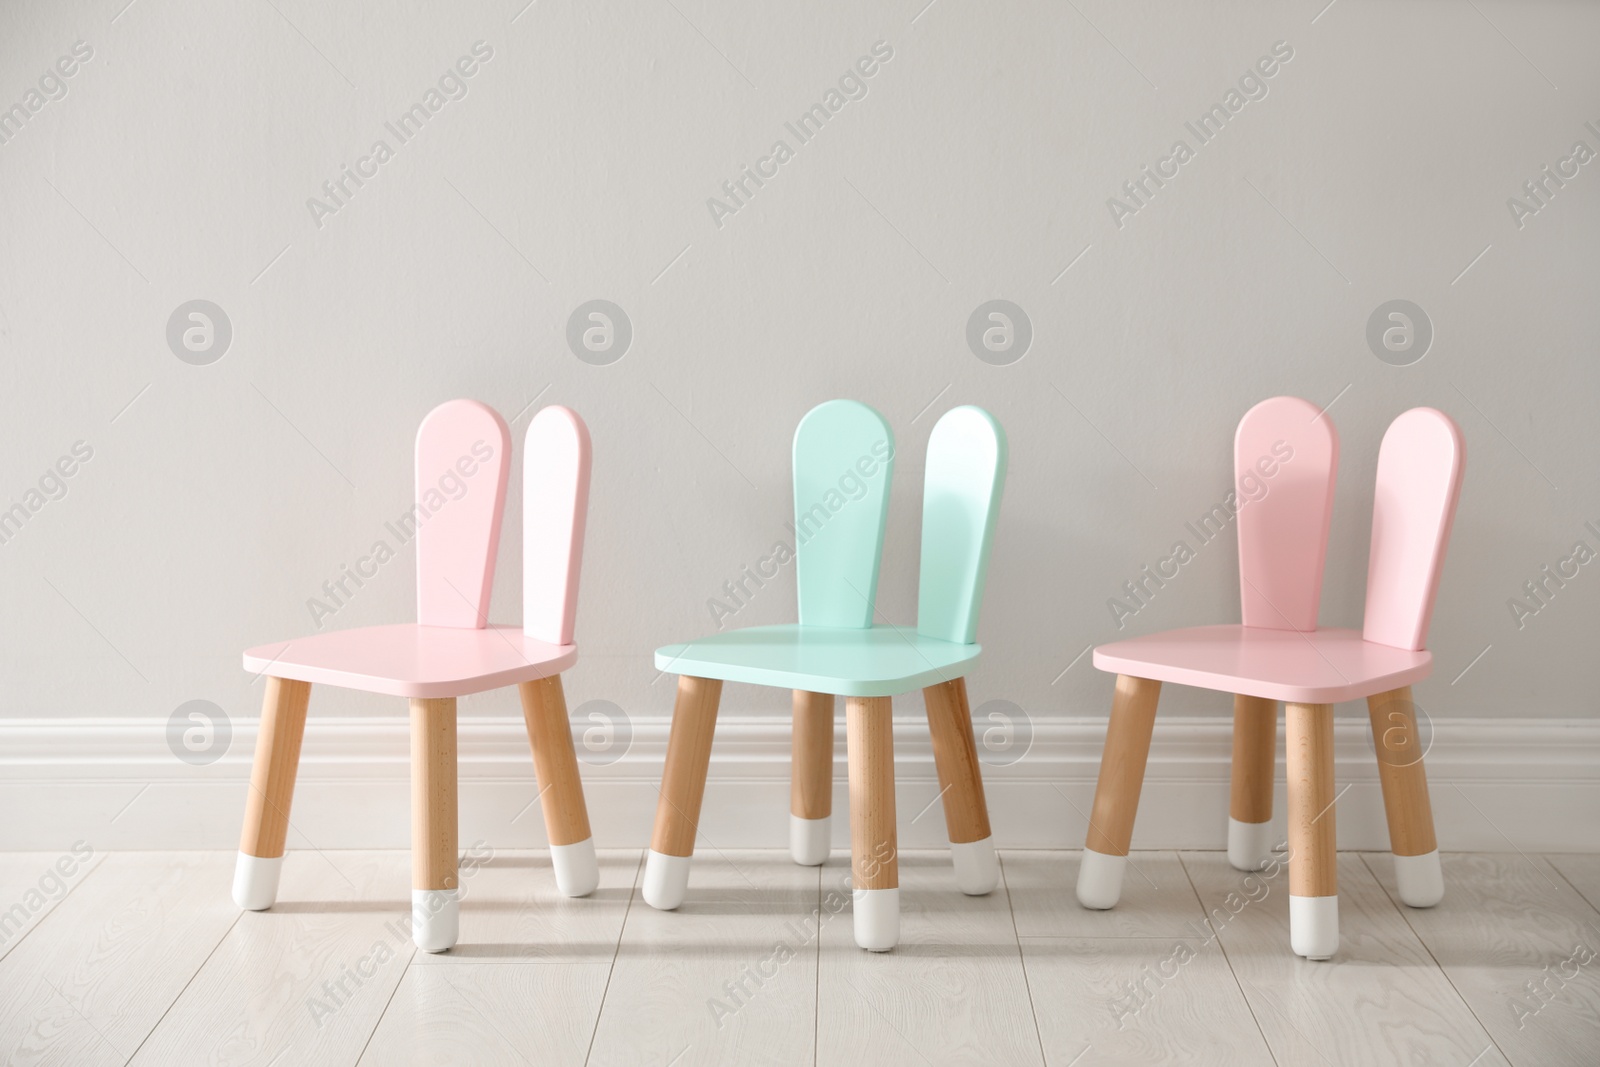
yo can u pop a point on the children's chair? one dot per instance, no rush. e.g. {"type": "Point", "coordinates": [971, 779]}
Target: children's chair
{"type": "Point", "coordinates": [843, 464]}
{"type": "Point", "coordinates": [1285, 457]}
{"type": "Point", "coordinates": [462, 468]}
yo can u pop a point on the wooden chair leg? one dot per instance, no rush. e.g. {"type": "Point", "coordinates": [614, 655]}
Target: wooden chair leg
{"type": "Point", "coordinates": [1405, 798]}
{"type": "Point", "coordinates": [435, 887]}
{"type": "Point", "coordinates": [811, 778]}
{"type": "Point", "coordinates": [1116, 794]}
{"type": "Point", "coordinates": [266, 808]}
{"type": "Point", "coordinates": [1255, 746]}
{"type": "Point", "coordinates": [683, 786]}
{"type": "Point", "coordinates": [874, 844]}
{"type": "Point", "coordinates": [1313, 859]}
{"type": "Point", "coordinates": [966, 814]}
{"type": "Point", "coordinates": [555, 765]}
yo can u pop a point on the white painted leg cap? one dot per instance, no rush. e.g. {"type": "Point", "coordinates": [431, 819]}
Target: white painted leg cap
{"type": "Point", "coordinates": [877, 918]}
{"type": "Point", "coordinates": [577, 871]}
{"type": "Point", "coordinates": [1249, 844]}
{"type": "Point", "coordinates": [1314, 926]}
{"type": "Point", "coordinates": [1420, 879]}
{"type": "Point", "coordinates": [977, 869]}
{"type": "Point", "coordinates": [666, 880]}
{"type": "Point", "coordinates": [1100, 879]}
{"type": "Point", "coordinates": [435, 918]}
{"type": "Point", "coordinates": [810, 840]}
{"type": "Point", "coordinates": [255, 881]}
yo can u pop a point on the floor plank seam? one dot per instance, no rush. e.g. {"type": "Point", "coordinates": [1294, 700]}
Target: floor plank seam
{"type": "Point", "coordinates": [622, 929]}
{"type": "Point", "coordinates": [1563, 876]}
{"type": "Point", "coordinates": [1033, 1011]}
{"type": "Point", "coordinates": [404, 974]}
{"type": "Point", "coordinates": [46, 917]}
{"type": "Point", "coordinates": [1401, 908]}
{"type": "Point", "coordinates": [1237, 980]}
{"type": "Point", "coordinates": [1312, 1045]}
{"type": "Point", "coordinates": [816, 985]}
{"type": "Point", "coordinates": [174, 1001]}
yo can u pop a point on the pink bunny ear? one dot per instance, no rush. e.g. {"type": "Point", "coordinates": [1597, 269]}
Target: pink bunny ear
{"type": "Point", "coordinates": [1420, 465]}
{"type": "Point", "coordinates": [555, 504]}
{"type": "Point", "coordinates": [463, 466]}
{"type": "Point", "coordinates": [1285, 457]}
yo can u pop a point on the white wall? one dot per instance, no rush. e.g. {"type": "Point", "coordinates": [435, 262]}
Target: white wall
{"type": "Point", "coordinates": [978, 165]}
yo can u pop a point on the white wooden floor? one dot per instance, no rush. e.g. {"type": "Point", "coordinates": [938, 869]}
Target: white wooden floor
{"type": "Point", "coordinates": [142, 958]}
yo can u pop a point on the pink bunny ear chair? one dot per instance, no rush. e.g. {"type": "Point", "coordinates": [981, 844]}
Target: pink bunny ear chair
{"type": "Point", "coordinates": [463, 465]}
{"type": "Point", "coordinates": [1285, 458]}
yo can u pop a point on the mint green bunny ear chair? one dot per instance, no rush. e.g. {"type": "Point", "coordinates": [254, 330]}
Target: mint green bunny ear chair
{"type": "Point", "coordinates": [843, 467]}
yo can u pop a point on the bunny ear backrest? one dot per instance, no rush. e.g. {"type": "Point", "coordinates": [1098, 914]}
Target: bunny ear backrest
{"type": "Point", "coordinates": [1285, 457]}
{"type": "Point", "coordinates": [843, 463]}
{"type": "Point", "coordinates": [555, 504]}
{"type": "Point", "coordinates": [966, 473]}
{"type": "Point", "coordinates": [463, 463]}
{"type": "Point", "coordinates": [1420, 465]}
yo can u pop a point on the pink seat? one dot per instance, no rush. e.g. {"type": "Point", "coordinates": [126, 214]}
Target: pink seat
{"type": "Point", "coordinates": [463, 466]}
{"type": "Point", "coordinates": [1286, 455]}
{"type": "Point", "coordinates": [411, 660]}
{"type": "Point", "coordinates": [1319, 667]}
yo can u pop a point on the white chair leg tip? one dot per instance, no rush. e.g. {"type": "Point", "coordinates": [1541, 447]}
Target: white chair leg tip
{"type": "Point", "coordinates": [577, 870]}
{"type": "Point", "coordinates": [876, 915]}
{"type": "Point", "coordinates": [435, 918]}
{"type": "Point", "coordinates": [255, 881]}
{"type": "Point", "coordinates": [666, 880]}
{"type": "Point", "coordinates": [1100, 879]}
{"type": "Point", "coordinates": [810, 840]}
{"type": "Point", "coordinates": [1420, 879]}
{"type": "Point", "coordinates": [1314, 926]}
{"type": "Point", "coordinates": [1249, 844]}
{"type": "Point", "coordinates": [977, 868]}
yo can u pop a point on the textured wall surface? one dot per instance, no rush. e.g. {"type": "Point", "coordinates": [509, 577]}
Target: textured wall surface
{"type": "Point", "coordinates": [560, 153]}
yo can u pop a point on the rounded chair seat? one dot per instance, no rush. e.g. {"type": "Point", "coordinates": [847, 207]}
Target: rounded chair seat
{"type": "Point", "coordinates": [880, 661]}
{"type": "Point", "coordinates": [410, 660]}
{"type": "Point", "coordinates": [1298, 667]}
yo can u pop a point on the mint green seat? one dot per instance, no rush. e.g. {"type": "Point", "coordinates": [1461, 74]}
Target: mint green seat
{"type": "Point", "coordinates": [843, 468]}
{"type": "Point", "coordinates": [882, 661]}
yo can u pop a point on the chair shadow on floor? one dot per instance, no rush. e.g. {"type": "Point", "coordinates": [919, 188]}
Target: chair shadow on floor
{"type": "Point", "coordinates": [569, 952]}
{"type": "Point", "coordinates": [397, 906]}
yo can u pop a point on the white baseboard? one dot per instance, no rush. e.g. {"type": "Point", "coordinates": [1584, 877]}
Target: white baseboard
{"type": "Point", "coordinates": [1497, 785]}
